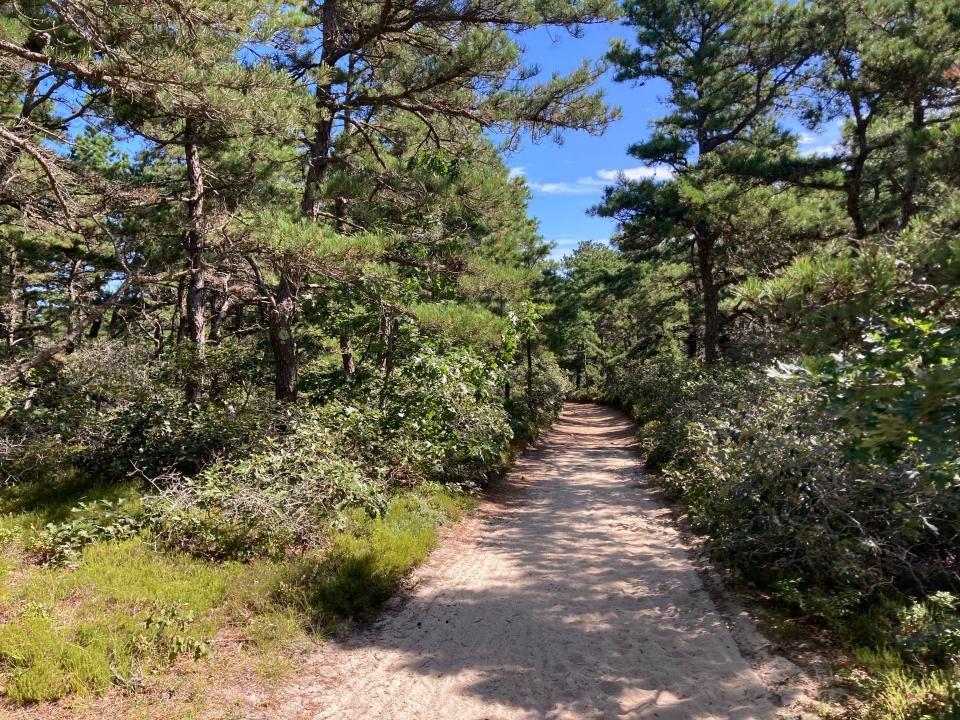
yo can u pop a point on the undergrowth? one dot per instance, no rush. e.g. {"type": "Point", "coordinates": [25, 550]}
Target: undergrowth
{"type": "Point", "coordinates": [123, 612]}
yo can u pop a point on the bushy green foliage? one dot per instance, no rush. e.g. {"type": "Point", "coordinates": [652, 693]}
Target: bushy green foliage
{"type": "Point", "coordinates": [92, 521]}
{"type": "Point", "coordinates": [366, 560]}
{"type": "Point", "coordinates": [443, 421]}
{"type": "Point", "coordinates": [529, 415]}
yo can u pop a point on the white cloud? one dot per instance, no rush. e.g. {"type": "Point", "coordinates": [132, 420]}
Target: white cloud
{"type": "Point", "coordinates": [564, 245]}
{"type": "Point", "coordinates": [811, 145]}
{"type": "Point", "coordinates": [831, 149]}
{"type": "Point", "coordinates": [516, 172]}
{"type": "Point", "coordinates": [595, 184]}
{"type": "Point", "coordinates": [565, 188]}
{"type": "Point", "coordinates": [644, 172]}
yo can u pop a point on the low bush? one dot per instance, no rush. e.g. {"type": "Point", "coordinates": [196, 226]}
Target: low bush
{"type": "Point", "coordinates": [445, 422]}
{"type": "Point", "coordinates": [368, 558]}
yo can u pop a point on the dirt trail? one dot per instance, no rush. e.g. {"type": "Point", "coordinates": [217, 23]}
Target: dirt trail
{"type": "Point", "coordinates": [569, 595]}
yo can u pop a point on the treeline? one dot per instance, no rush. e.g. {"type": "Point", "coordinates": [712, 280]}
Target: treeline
{"type": "Point", "coordinates": [780, 313]}
{"type": "Point", "coordinates": [265, 279]}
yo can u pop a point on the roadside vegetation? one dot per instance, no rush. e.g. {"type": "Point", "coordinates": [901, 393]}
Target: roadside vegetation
{"type": "Point", "coordinates": [779, 313]}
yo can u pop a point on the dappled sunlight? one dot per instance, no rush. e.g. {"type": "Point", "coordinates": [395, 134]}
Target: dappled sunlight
{"type": "Point", "coordinates": [575, 599]}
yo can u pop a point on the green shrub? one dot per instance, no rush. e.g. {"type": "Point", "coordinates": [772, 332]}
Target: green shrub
{"type": "Point", "coordinates": [825, 489]}
{"type": "Point", "coordinates": [59, 543]}
{"type": "Point", "coordinates": [443, 421]}
{"type": "Point", "coordinates": [271, 500]}
{"type": "Point", "coordinates": [367, 560]}
{"type": "Point", "coordinates": [531, 415]}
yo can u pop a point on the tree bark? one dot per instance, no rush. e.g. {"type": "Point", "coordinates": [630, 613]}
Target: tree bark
{"type": "Point", "coordinates": [346, 353]}
{"type": "Point", "coordinates": [855, 183]}
{"type": "Point", "coordinates": [318, 159]}
{"type": "Point", "coordinates": [219, 319]}
{"type": "Point", "coordinates": [13, 301]}
{"type": "Point", "coordinates": [908, 202]}
{"type": "Point", "coordinates": [388, 362]}
{"type": "Point", "coordinates": [283, 342]}
{"type": "Point", "coordinates": [706, 242]}
{"type": "Point", "coordinates": [529, 374]}
{"type": "Point", "coordinates": [195, 329]}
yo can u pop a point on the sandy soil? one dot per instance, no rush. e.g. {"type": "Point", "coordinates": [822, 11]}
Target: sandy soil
{"type": "Point", "coordinates": [569, 595]}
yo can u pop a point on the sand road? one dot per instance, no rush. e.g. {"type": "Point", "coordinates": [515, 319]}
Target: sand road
{"type": "Point", "coordinates": [568, 596]}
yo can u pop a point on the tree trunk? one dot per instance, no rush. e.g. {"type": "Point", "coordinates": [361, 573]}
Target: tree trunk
{"type": "Point", "coordinates": [13, 301]}
{"type": "Point", "coordinates": [581, 363]}
{"type": "Point", "coordinates": [318, 159]}
{"type": "Point", "coordinates": [195, 328]}
{"type": "Point", "coordinates": [691, 343]}
{"type": "Point", "coordinates": [855, 187]}
{"type": "Point", "coordinates": [280, 322]}
{"type": "Point", "coordinates": [908, 201]}
{"type": "Point", "coordinates": [705, 242]}
{"type": "Point", "coordinates": [117, 324]}
{"type": "Point", "coordinates": [219, 319]}
{"type": "Point", "coordinates": [383, 341]}
{"type": "Point", "coordinates": [388, 362]}
{"type": "Point", "coordinates": [346, 353]}
{"type": "Point", "coordinates": [529, 374]}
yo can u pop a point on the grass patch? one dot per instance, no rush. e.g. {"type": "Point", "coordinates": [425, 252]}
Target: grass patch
{"type": "Point", "coordinates": [367, 560]}
{"type": "Point", "coordinates": [125, 611]}
{"type": "Point", "coordinates": [900, 690]}
{"type": "Point", "coordinates": [902, 654]}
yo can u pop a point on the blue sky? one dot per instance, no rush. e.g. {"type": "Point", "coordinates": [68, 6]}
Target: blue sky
{"type": "Point", "coordinates": [567, 179]}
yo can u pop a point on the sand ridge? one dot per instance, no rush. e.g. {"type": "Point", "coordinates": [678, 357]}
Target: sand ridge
{"type": "Point", "coordinates": [569, 596]}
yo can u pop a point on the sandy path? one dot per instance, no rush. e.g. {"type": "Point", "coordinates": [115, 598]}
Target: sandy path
{"type": "Point", "coordinates": [568, 596]}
